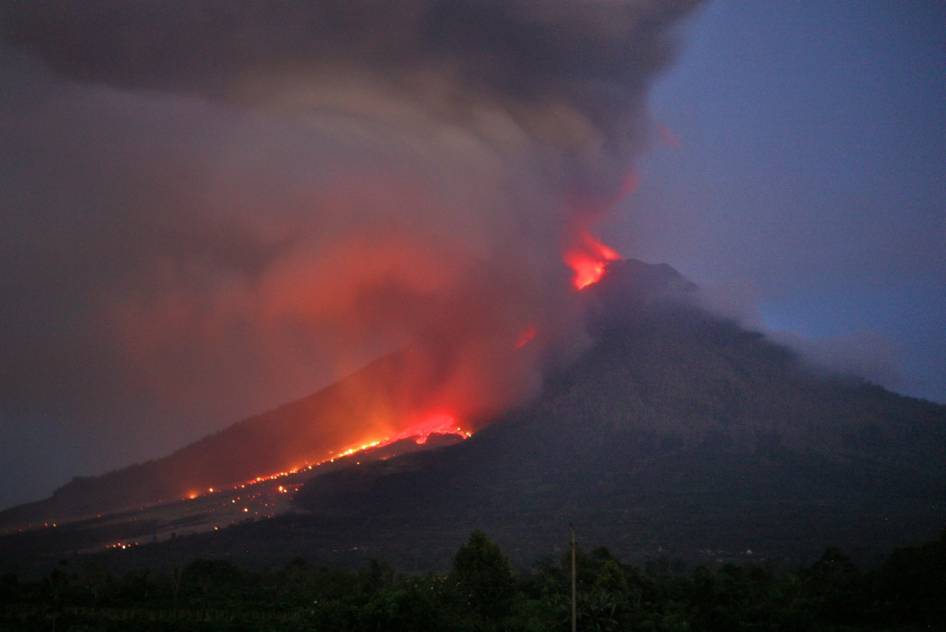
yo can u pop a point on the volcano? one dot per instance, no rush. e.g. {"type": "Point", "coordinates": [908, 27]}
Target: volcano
{"type": "Point", "coordinates": [675, 433]}
{"type": "Point", "coordinates": [678, 433]}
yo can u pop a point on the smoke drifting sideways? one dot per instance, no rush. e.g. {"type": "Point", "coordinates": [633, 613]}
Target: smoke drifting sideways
{"type": "Point", "coordinates": [211, 206]}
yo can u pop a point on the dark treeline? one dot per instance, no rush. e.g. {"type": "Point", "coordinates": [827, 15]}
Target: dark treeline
{"type": "Point", "coordinates": [482, 592]}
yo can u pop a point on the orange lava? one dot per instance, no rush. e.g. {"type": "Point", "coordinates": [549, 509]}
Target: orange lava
{"type": "Point", "coordinates": [435, 423]}
{"type": "Point", "coordinates": [589, 260]}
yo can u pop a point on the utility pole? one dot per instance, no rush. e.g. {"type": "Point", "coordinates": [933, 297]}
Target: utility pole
{"type": "Point", "coordinates": [574, 585]}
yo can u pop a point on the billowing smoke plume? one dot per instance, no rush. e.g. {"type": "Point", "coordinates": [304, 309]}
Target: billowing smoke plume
{"type": "Point", "coordinates": [215, 205]}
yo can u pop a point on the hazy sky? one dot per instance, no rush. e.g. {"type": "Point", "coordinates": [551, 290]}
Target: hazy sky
{"type": "Point", "coordinates": [810, 180]}
{"type": "Point", "coordinates": [800, 178]}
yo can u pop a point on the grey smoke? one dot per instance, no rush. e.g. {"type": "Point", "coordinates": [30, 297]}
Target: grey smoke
{"type": "Point", "coordinates": [209, 207]}
{"type": "Point", "coordinates": [860, 354]}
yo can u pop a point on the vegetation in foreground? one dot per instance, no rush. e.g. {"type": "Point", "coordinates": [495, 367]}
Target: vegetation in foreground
{"type": "Point", "coordinates": [482, 592]}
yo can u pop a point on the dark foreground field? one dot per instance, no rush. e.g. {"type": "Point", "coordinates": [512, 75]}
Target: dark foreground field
{"type": "Point", "coordinates": [482, 592]}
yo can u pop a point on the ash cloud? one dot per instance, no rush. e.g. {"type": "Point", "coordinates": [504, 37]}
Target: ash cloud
{"type": "Point", "coordinates": [862, 354]}
{"type": "Point", "coordinates": [211, 206]}
{"type": "Point", "coordinates": [571, 75]}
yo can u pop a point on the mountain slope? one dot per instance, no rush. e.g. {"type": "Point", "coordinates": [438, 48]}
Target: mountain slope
{"type": "Point", "coordinates": [675, 433]}
{"type": "Point", "coordinates": [300, 432]}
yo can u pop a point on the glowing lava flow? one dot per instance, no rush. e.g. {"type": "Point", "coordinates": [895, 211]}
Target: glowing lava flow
{"type": "Point", "coordinates": [436, 423]}
{"type": "Point", "coordinates": [440, 423]}
{"type": "Point", "coordinates": [589, 259]}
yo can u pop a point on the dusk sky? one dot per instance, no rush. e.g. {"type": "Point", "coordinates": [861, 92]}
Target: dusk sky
{"type": "Point", "coordinates": [791, 164]}
{"type": "Point", "coordinates": [810, 181]}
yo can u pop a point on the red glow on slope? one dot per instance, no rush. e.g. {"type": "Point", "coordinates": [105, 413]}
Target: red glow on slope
{"type": "Point", "coordinates": [443, 423]}
{"type": "Point", "coordinates": [436, 423]}
{"type": "Point", "coordinates": [588, 260]}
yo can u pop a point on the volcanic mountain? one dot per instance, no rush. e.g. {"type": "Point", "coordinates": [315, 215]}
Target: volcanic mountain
{"type": "Point", "coordinates": [676, 432]}
{"type": "Point", "coordinates": [291, 437]}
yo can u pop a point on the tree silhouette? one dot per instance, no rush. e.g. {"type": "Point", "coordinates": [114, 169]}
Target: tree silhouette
{"type": "Point", "coordinates": [482, 577]}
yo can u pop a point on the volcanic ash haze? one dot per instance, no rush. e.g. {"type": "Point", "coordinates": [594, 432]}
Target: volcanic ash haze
{"type": "Point", "coordinates": [277, 188]}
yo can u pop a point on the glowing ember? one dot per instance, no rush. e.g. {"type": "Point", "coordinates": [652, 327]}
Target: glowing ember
{"type": "Point", "coordinates": [526, 336]}
{"type": "Point", "coordinates": [588, 260]}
